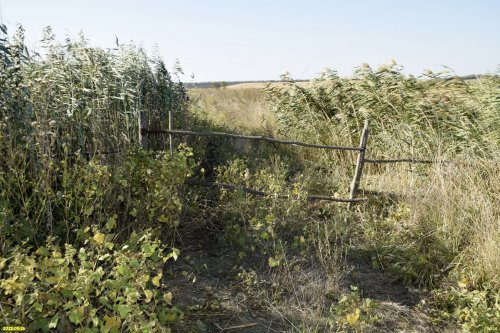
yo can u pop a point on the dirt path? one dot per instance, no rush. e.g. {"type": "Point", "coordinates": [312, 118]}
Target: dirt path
{"type": "Point", "coordinates": [205, 283]}
{"type": "Point", "coordinates": [207, 287]}
{"type": "Point", "coordinates": [397, 303]}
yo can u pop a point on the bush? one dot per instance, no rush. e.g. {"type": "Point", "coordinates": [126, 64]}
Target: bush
{"type": "Point", "coordinates": [99, 286]}
{"type": "Point", "coordinates": [142, 190]}
{"type": "Point", "coordinates": [474, 310]}
{"type": "Point", "coordinates": [353, 313]}
{"type": "Point", "coordinates": [147, 186]}
{"type": "Point", "coordinates": [60, 116]}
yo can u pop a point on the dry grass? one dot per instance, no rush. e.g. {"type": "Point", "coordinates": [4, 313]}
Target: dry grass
{"type": "Point", "coordinates": [451, 207]}
{"type": "Point", "coordinates": [439, 225]}
{"type": "Point", "coordinates": [235, 108]}
{"type": "Point", "coordinates": [262, 85]}
{"type": "Point", "coordinates": [459, 207]}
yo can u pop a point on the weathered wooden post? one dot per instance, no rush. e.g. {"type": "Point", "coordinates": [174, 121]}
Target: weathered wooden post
{"type": "Point", "coordinates": [360, 163]}
{"type": "Point", "coordinates": [171, 127]}
{"type": "Point", "coordinates": [143, 125]}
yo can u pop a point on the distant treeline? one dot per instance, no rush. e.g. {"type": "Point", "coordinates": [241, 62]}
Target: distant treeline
{"type": "Point", "coordinates": [222, 84]}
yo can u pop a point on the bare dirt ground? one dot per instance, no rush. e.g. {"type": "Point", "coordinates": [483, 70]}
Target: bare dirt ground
{"type": "Point", "coordinates": [205, 283]}
{"type": "Point", "coordinates": [397, 303]}
{"type": "Point", "coordinates": [209, 291]}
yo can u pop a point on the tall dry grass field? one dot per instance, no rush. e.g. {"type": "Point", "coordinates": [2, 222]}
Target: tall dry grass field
{"type": "Point", "coordinates": [434, 227]}
{"type": "Point", "coordinates": [244, 108]}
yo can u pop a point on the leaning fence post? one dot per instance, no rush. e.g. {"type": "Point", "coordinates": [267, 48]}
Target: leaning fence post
{"type": "Point", "coordinates": [360, 162]}
{"type": "Point", "coordinates": [143, 125]}
{"type": "Point", "coordinates": [171, 127]}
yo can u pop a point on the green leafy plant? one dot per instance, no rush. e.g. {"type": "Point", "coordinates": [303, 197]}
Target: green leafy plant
{"type": "Point", "coordinates": [474, 310]}
{"type": "Point", "coordinates": [353, 313]}
{"type": "Point", "coordinates": [69, 137]}
{"type": "Point", "coordinates": [148, 185]}
{"type": "Point", "coordinates": [100, 286]}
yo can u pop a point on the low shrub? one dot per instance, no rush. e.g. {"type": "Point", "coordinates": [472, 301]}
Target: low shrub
{"type": "Point", "coordinates": [352, 313]}
{"type": "Point", "coordinates": [472, 309]}
{"type": "Point", "coordinates": [98, 286]}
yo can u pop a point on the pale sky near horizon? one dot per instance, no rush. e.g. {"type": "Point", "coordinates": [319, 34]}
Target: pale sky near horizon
{"type": "Point", "coordinates": [260, 39]}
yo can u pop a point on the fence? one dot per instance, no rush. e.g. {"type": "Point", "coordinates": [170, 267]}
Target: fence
{"type": "Point", "coordinates": [353, 188]}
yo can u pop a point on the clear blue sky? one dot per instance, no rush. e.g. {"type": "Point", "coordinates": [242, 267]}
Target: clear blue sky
{"type": "Point", "coordinates": [261, 39]}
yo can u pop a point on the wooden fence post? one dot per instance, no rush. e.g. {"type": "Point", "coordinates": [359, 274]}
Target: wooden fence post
{"type": "Point", "coordinates": [143, 124]}
{"type": "Point", "coordinates": [360, 163]}
{"type": "Point", "coordinates": [171, 127]}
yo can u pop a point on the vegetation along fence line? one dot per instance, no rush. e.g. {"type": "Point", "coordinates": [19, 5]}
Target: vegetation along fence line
{"type": "Point", "coordinates": [353, 189]}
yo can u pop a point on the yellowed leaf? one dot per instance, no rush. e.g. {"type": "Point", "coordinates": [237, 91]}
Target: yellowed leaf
{"type": "Point", "coordinates": [171, 316]}
{"type": "Point", "coordinates": [144, 278]}
{"type": "Point", "coordinates": [10, 285]}
{"type": "Point", "coordinates": [111, 322]}
{"type": "Point", "coordinates": [157, 279]}
{"type": "Point", "coordinates": [53, 279]}
{"type": "Point", "coordinates": [463, 283]}
{"type": "Point", "coordinates": [168, 298]}
{"type": "Point", "coordinates": [353, 318]}
{"type": "Point", "coordinates": [99, 238]}
{"type": "Point", "coordinates": [273, 262]}
{"type": "Point", "coordinates": [149, 295]}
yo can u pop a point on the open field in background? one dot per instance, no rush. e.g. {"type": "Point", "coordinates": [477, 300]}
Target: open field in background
{"type": "Point", "coordinates": [98, 234]}
{"type": "Point", "coordinates": [435, 227]}
{"type": "Point", "coordinates": [262, 85]}
{"type": "Point", "coordinates": [238, 107]}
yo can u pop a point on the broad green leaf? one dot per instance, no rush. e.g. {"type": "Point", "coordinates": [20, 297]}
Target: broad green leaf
{"type": "Point", "coordinates": [148, 249]}
{"type": "Point", "coordinates": [171, 316]}
{"type": "Point", "coordinates": [88, 211]}
{"type": "Point", "coordinates": [38, 307]}
{"type": "Point", "coordinates": [67, 293]}
{"type": "Point", "coordinates": [76, 315]}
{"type": "Point", "coordinates": [82, 255]}
{"type": "Point", "coordinates": [134, 263]}
{"type": "Point", "coordinates": [41, 323]}
{"type": "Point", "coordinates": [123, 310]}
{"type": "Point", "coordinates": [41, 251]}
{"type": "Point", "coordinates": [122, 269]}
{"type": "Point", "coordinates": [201, 327]}
{"type": "Point", "coordinates": [111, 223]}
{"type": "Point", "coordinates": [53, 322]}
